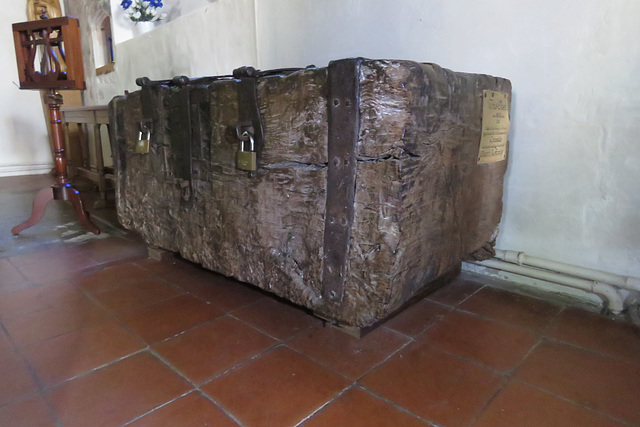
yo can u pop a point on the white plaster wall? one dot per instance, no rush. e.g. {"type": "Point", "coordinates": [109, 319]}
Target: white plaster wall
{"type": "Point", "coordinates": [173, 9]}
{"type": "Point", "coordinates": [572, 190]}
{"type": "Point", "coordinates": [212, 40]}
{"type": "Point", "coordinates": [24, 142]}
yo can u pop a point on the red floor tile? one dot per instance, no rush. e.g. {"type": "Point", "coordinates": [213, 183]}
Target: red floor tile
{"type": "Point", "coordinates": [54, 321]}
{"type": "Point", "coordinates": [29, 412]}
{"type": "Point", "coordinates": [96, 371]}
{"type": "Point", "coordinates": [275, 318]}
{"type": "Point", "coordinates": [190, 410]}
{"type": "Point", "coordinates": [16, 379]}
{"type": "Point", "coordinates": [5, 343]}
{"type": "Point", "coordinates": [213, 348]}
{"type": "Point", "coordinates": [281, 388]}
{"type": "Point", "coordinates": [59, 253]}
{"type": "Point", "coordinates": [434, 385]}
{"type": "Point", "coordinates": [156, 267]}
{"type": "Point", "coordinates": [10, 277]}
{"type": "Point", "coordinates": [172, 265]}
{"type": "Point", "coordinates": [517, 310]}
{"type": "Point", "coordinates": [184, 273]}
{"type": "Point", "coordinates": [496, 345]}
{"type": "Point", "coordinates": [349, 356]}
{"type": "Point", "coordinates": [521, 405]}
{"type": "Point", "coordinates": [33, 299]}
{"type": "Point", "coordinates": [47, 270]}
{"type": "Point", "coordinates": [72, 354]}
{"type": "Point", "coordinates": [455, 292]}
{"type": "Point", "coordinates": [417, 318]}
{"type": "Point", "coordinates": [592, 331]}
{"type": "Point", "coordinates": [135, 295]}
{"type": "Point", "coordinates": [114, 249]}
{"type": "Point", "coordinates": [111, 277]}
{"type": "Point", "coordinates": [116, 394]}
{"type": "Point", "coordinates": [168, 318]}
{"type": "Point", "coordinates": [603, 384]}
{"type": "Point", "coordinates": [357, 408]}
{"type": "Point", "coordinates": [225, 293]}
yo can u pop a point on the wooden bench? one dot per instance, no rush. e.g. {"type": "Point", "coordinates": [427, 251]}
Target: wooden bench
{"type": "Point", "coordinates": [97, 116]}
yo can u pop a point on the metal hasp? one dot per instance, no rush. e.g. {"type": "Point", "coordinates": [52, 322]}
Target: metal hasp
{"type": "Point", "coordinates": [344, 127]}
{"type": "Point", "coordinates": [188, 100]}
{"type": "Point", "coordinates": [249, 123]}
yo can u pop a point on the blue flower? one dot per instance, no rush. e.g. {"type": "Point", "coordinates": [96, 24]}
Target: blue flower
{"type": "Point", "coordinates": [155, 3]}
{"type": "Point", "coordinates": [125, 4]}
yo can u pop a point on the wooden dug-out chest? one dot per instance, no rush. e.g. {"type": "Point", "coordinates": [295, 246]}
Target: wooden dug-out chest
{"type": "Point", "coordinates": [369, 182]}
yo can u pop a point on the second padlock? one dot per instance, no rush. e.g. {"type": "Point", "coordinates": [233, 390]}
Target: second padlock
{"type": "Point", "coordinates": [247, 160]}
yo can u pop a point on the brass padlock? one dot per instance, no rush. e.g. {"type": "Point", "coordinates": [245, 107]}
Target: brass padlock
{"type": "Point", "coordinates": [142, 145]}
{"type": "Point", "coordinates": [247, 160]}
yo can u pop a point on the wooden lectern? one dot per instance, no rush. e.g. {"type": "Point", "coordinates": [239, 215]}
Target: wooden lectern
{"type": "Point", "coordinates": [49, 58]}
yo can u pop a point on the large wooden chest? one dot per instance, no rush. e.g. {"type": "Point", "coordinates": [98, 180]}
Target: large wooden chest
{"type": "Point", "coordinates": [370, 181]}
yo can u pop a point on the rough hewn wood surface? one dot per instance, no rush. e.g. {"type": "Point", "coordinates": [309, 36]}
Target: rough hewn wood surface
{"type": "Point", "coordinates": [421, 203]}
{"type": "Point", "coordinates": [419, 136]}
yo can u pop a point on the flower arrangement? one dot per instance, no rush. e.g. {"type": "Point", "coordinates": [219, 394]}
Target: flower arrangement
{"type": "Point", "coordinates": [143, 10]}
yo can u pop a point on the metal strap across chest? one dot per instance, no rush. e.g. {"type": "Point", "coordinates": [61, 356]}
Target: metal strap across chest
{"type": "Point", "coordinates": [344, 127]}
{"type": "Point", "coordinates": [248, 108]}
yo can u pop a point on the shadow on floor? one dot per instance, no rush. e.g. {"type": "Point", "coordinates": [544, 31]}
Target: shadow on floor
{"type": "Point", "coordinates": [59, 223]}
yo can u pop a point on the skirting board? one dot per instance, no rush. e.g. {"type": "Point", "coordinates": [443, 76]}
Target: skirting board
{"type": "Point", "coordinates": [32, 169]}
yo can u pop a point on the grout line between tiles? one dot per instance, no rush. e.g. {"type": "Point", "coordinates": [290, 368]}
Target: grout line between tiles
{"type": "Point", "coordinates": [97, 368]}
{"type": "Point", "coordinates": [501, 321]}
{"type": "Point", "coordinates": [130, 311]}
{"type": "Point", "coordinates": [395, 405]}
{"type": "Point", "coordinates": [190, 329]}
{"type": "Point", "coordinates": [499, 389]}
{"type": "Point", "coordinates": [459, 303]}
{"type": "Point", "coordinates": [591, 351]}
{"type": "Point", "coordinates": [322, 364]}
{"type": "Point", "coordinates": [198, 388]}
{"type": "Point", "coordinates": [255, 328]}
{"type": "Point", "coordinates": [156, 408]}
{"type": "Point", "coordinates": [175, 371]}
{"type": "Point", "coordinates": [508, 376]}
{"type": "Point", "coordinates": [325, 404]}
{"type": "Point", "coordinates": [572, 402]}
{"type": "Point", "coordinates": [243, 363]}
{"type": "Point", "coordinates": [282, 343]}
{"type": "Point", "coordinates": [512, 371]}
{"type": "Point", "coordinates": [222, 408]}
{"type": "Point", "coordinates": [465, 359]}
{"type": "Point", "coordinates": [88, 269]}
{"type": "Point", "coordinates": [195, 388]}
{"type": "Point", "coordinates": [392, 354]}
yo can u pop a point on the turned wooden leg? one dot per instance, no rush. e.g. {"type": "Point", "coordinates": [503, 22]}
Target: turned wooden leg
{"type": "Point", "coordinates": [39, 204]}
{"type": "Point", "coordinates": [74, 197]}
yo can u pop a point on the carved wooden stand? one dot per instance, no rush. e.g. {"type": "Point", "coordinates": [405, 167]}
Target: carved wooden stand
{"type": "Point", "coordinates": [62, 189]}
{"type": "Point", "coordinates": [48, 53]}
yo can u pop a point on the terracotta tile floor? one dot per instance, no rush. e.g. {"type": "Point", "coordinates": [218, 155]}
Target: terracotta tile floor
{"type": "Point", "coordinates": [116, 339]}
{"type": "Point", "coordinates": [96, 334]}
